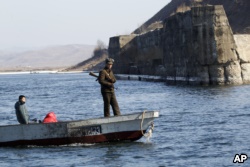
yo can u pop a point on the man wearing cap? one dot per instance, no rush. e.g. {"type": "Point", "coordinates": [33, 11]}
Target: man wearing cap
{"type": "Point", "coordinates": [21, 110]}
{"type": "Point", "coordinates": [107, 80]}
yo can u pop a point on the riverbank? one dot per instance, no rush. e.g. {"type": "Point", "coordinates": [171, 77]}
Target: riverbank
{"type": "Point", "coordinates": [39, 72]}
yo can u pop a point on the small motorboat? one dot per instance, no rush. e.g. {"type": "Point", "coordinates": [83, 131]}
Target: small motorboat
{"type": "Point", "coordinates": [129, 127]}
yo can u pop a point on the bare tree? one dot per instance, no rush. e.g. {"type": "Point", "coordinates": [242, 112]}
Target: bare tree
{"type": "Point", "coordinates": [100, 49]}
{"type": "Point", "coordinates": [101, 45]}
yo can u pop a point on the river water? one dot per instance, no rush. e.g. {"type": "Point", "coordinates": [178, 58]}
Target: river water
{"type": "Point", "coordinates": [198, 126]}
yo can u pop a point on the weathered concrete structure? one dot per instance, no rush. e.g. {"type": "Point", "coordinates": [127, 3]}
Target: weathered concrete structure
{"type": "Point", "coordinates": [137, 54]}
{"type": "Point", "coordinates": [195, 47]}
{"type": "Point", "coordinates": [243, 52]}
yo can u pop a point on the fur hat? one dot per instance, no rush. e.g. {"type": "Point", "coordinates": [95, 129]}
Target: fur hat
{"type": "Point", "coordinates": [109, 61]}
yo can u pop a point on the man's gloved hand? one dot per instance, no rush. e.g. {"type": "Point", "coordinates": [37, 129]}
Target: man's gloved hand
{"type": "Point", "coordinates": [111, 85]}
{"type": "Point", "coordinates": [112, 80]}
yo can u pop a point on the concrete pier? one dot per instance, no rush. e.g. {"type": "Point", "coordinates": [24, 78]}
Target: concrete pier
{"type": "Point", "coordinates": [193, 47]}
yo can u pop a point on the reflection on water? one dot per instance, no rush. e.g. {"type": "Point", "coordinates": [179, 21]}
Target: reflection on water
{"type": "Point", "coordinates": [198, 126]}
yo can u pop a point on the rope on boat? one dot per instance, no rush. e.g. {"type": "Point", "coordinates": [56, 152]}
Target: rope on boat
{"type": "Point", "coordinates": [148, 135]}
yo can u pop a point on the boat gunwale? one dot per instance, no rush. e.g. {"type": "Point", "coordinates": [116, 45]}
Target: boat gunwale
{"type": "Point", "coordinates": [111, 120]}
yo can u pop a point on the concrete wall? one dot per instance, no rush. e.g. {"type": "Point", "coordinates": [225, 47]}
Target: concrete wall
{"type": "Point", "coordinates": [195, 47]}
{"type": "Point", "coordinates": [199, 47]}
{"type": "Point", "coordinates": [117, 46]}
{"type": "Point", "coordinates": [243, 52]}
{"type": "Point", "coordinates": [137, 53]}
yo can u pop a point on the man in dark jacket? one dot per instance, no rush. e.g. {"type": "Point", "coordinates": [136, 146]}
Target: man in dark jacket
{"type": "Point", "coordinates": [21, 110]}
{"type": "Point", "coordinates": [107, 80]}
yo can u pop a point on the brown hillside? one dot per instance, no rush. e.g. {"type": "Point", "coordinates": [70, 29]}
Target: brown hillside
{"type": "Point", "coordinates": [94, 63]}
{"type": "Point", "coordinates": [49, 57]}
{"type": "Point", "coordinates": [236, 10]}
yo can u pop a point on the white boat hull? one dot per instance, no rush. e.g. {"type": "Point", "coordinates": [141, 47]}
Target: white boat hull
{"type": "Point", "coordinates": [117, 128]}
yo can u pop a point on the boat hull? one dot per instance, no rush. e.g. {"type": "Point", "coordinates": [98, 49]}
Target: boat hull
{"type": "Point", "coordinates": [119, 128]}
{"type": "Point", "coordinates": [113, 137]}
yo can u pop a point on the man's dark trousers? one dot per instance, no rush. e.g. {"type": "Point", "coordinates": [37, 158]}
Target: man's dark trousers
{"type": "Point", "coordinates": [110, 99]}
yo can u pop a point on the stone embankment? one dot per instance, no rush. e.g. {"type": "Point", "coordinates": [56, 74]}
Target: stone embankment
{"type": "Point", "coordinates": [140, 78]}
{"type": "Point", "coordinates": [194, 47]}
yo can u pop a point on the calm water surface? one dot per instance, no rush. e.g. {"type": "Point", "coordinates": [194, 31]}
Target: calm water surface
{"type": "Point", "coordinates": [198, 126]}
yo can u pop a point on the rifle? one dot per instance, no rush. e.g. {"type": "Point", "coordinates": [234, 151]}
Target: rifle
{"type": "Point", "coordinates": [94, 75]}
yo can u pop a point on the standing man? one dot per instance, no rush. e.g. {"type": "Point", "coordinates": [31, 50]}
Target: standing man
{"type": "Point", "coordinates": [107, 80]}
{"type": "Point", "coordinates": [21, 110]}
